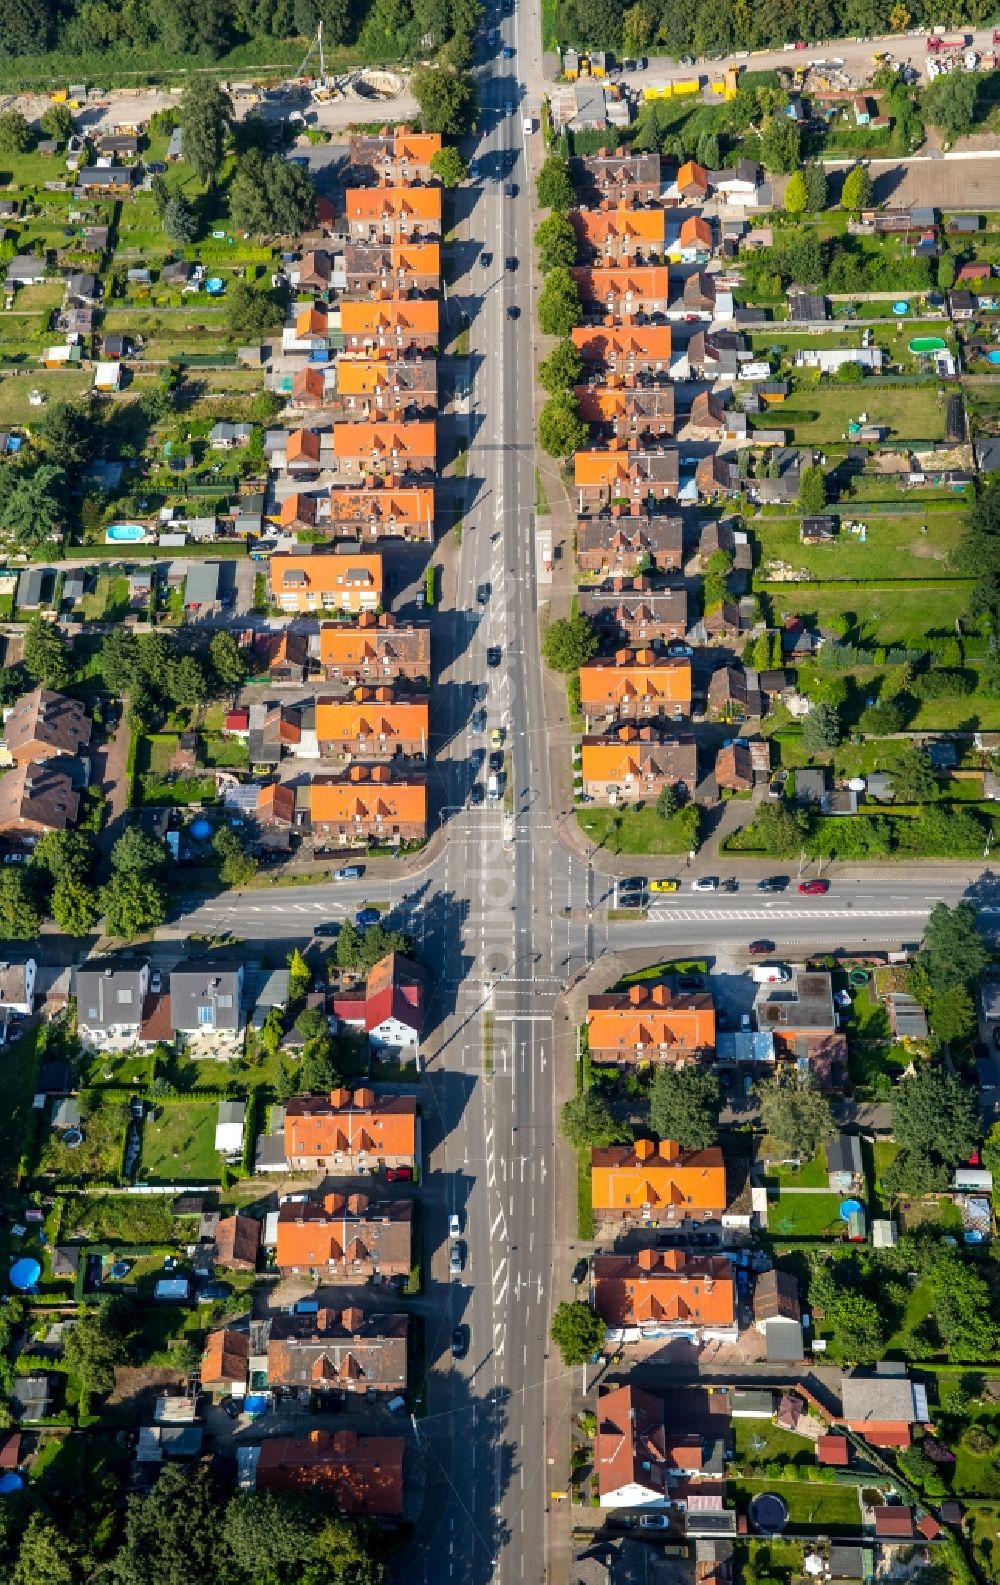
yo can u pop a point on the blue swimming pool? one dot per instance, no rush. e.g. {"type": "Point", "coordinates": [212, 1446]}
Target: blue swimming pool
{"type": "Point", "coordinates": [993, 357]}
{"type": "Point", "coordinates": [128, 533]}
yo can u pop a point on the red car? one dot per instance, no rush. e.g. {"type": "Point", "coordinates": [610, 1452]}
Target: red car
{"type": "Point", "coordinates": [399, 1174]}
{"type": "Point", "coordinates": [814, 888]}
{"type": "Point", "coordinates": [759, 949]}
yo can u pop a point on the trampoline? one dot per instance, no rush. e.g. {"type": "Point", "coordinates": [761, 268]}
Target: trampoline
{"type": "Point", "coordinates": [73, 1138]}
{"type": "Point", "coordinates": [120, 1269]}
{"type": "Point", "coordinates": [768, 1513]}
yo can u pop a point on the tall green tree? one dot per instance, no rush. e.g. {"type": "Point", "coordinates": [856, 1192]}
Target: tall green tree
{"type": "Point", "coordinates": [271, 197]}
{"type": "Point", "coordinates": [74, 906]}
{"type": "Point", "coordinates": [132, 904]}
{"type": "Point", "coordinates": [577, 1331]}
{"type": "Point", "coordinates": [46, 1556]}
{"type": "Point", "coordinates": [812, 490]}
{"type": "Point", "coordinates": [795, 1114]}
{"type": "Point", "coordinates": [861, 1329]}
{"type": "Point", "coordinates": [205, 114]}
{"type": "Point", "coordinates": [856, 193]}
{"type": "Point", "coordinates": [586, 1120]}
{"type": "Point", "coordinates": [237, 867]}
{"type": "Point", "coordinates": [568, 642]}
{"type": "Point", "coordinates": [15, 133]}
{"type": "Point", "coordinates": [780, 144]}
{"type": "Point", "coordinates": [935, 1116]}
{"type": "Point", "coordinates": [20, 919]}
{"type": "Point", "coordinates": [781, 832]}
{"type": "Point", "coordinates": [227, 660]}
{"type": "Point", "coordinates": [554, 185]}
{"type": "Point", "coordinates": [138, 852]}
{"type": "Point", "coordinates": [684, 1105]}
{"type": "Point", "coordinates": [249, 313]}
{"type": "Point", "coordinates": [45, 657]}
{"type": "Point", "coordinates": [171, 1534]}
{"type": "Point", "coordinates": [563, 368]}
{"type": "Point", "coordinates": [33, 505]}
{"type": "Point", "coordinates": [796, 194]}
{"type": "Point", "coordinates": [821, 727]}
{"type": "Point", "coordinates": [447, 100]}
{"type": "Point", "coordinates": [949, 102]}
{"type": "Point", "coordinates": [179, 221]}
{"type": "Point", "coordinates": [952, 951]}
{"type": "Point", "coordinates": [561, 430]}
{"type": "Point", "coordinates": [816, 188]}
{"type": "Point", "coordinates": [64, 855]}
{"type": "Point", "coordinates": [559, 306]}
{"type": "Point", "coordinates": [449, 167]}
{"type": "Point", "coordinates": [95, 1345]}
{"type": "Point", "coordinates": [66, 431]}
{"type": "Point", "coordinates": [362, 949]}
{"type": "Point", "coordinates": [555, 242]}
{"type": "Point", "coordinates": [265, 1536]}
{"type": "Point", "coordinates": [57, 122]}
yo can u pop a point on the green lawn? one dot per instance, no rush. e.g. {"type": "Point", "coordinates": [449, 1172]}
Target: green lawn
{"type": "Point", "coordinates": [178, 1144]}
{"type": "Point", "coordinates": [57, 385]}
{"type": "Point", "coordinates": [905, 615]}
{"type": "Point", "coordinates": [984, 1533]}
{"type": "Point", "coordinates": [20, 1064]}
{"type": "Point", "coordinates": [896, 547]}
{"type": "Point", "coordinates": [760, 1442]}
{"type": "Point", "coordinates": [805, 1215]}
{"type": "Point", "coordinates": [909, 412]}
{"type": "Point", "coordinates": [811, 1175]}
{"type": "Point", "coordinates": [99, 1156]}
{"type": "Point", "coordinates": [639, 830]}
{"type": "Point", "coordinates": [108, 601]}
{"type": "Point", "coordinates": [833, 1509]}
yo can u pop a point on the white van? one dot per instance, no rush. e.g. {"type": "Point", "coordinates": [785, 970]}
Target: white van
{"type": "Point", "coordinates": [493, 788]}
{"type": "Point", "coordinates": [770, 974]}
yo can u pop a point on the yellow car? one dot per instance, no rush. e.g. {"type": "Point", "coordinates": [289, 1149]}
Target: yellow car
{"type": "Point", "coordinates": [664, 886]}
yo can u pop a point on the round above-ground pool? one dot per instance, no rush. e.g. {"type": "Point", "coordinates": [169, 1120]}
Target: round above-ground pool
{"type": "Point", "coordinates": [24, 1274]}
{"type": "Point", "coordinates": [201, 828]}
{"type": "Point", "coordinates": [214, 285]}
{"type": "Point", "coordinates": [858, 977]}
{"type": "Point", "coordinates": [927, 344]}
{"type": "Point", "coordinates": [901, 308]}
{"type": "Point", "coordinates": [848, 1208]}
{"type": "Point", "coordinates": [73, 1138]}
{"type": "Point", "coordinates": [768, 1513]}
{"type": "Point", "coordinates": [993, 357]}
{"type": "Point", "coordinates": [124, 533]}
{"type": "Point", "coordinates": [120, 1269]}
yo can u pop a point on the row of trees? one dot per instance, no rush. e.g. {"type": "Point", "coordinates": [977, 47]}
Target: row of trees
{"type": "Point", "coordinates": [187, 1531]}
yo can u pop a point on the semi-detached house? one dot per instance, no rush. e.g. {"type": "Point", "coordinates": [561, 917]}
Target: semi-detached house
{"type": "Point", "coordinates": [350, 1132]}
{"type": "Point", "coordinates": [620, 235]}
{"type": "Point", "coordinates": [375, 649]}
{"type": "Point", "coordinates": [658, 1183]}
{"type": "Point", "coordinates": [625, 349]}
{"type": "Point", "coordinates": [623, 290]}
{"type": "Point", "coordinates": [650, 1023]}
{"type": "Point", "coordinates": [385, 449]}
{"type": "Point", "coordinates": [403, 326]}
{"type": "Point", "coordinates": [634, 686]}
{"type": "Point", "coordinates": [403, 267]}
{"type": "Point", "coordinates": [350, 1349]}
{"type": "Point", "coordinates": [378, 511]}
{"type": "Point", "coordinates": [620, 473]}
{"type": "Point", "coordinates": [344, 1237]}
{"type": "Point", "coordinates": [624, 544]}
{"type": "Point", "coordinates": [373, 725]}
{"type": "Point", "coordinates": [667, 1291]}
{"type": "Point", "coordinates": [386, 387]}
{"type": "Point", "coordinates": [110, 995]}
{"type": "Point", "coordinates": [393, 213]}
{"type": "Point", "coordinates": [369, 803]}
{"type": "Point", "coordinates": [635, 763]}
{"type": "Point", "coordinates": [394, 154]}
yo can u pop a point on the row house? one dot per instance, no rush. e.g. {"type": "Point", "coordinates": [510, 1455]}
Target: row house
{"type": "Point", "coordinates": [634, 686]}
{"type": "Point", "coordinates": [314, 271]}
{"type": "Point", "coordinates": [625, 349]}
{"type": "Point", "coordinates": [707, 418]}
{"type": "Point", "coordinates": [344, 1236]}
{"type": "Point", "coordinates": [369, 804]}
{"type": "Point", "coordinates": [361, 1475]}
{"type": "Point", "coordinates": [389, 213]}
{"type": "Point", "coordinates": [348, 1349]}
{"type": "Point", "coordinates": [374, 388]}
{"type": "Point", "coordinates": [404, 268]}
{"type": "Point", "coordinates": [623, 545]}
{"type": "Point", "coordinates": [373, 725]}
{"type": "Point", "coordinates": [385, 449]}
{"type": "Point", "coordinates": [382, 511]}
{"type": "Point", "coordinates": [345, 1132]}
{"type": "Point", "coordinates": [627, 610]}
{"type": "Point", "coordinates": [622, 474]}
{"type": "Point", "coordinates": [621, 234]}
{"type": "Point", "coordinates": [317, 579]}
{"type": "Point", "coordinates": [628, 412]}
{"type": "Point", "coordinates": [650, 1023]}
{"type": "Point", "coordinates": [618, 177]}
{"type": "Point", "coordinates": [401, 326]}
{"type": "Point", "coordinates": [658, 1183]}
{"type": "Point", "coordinates": [375, 649]}
{"type": "Point", "coordinates": [312, 388]}
{"type": "Point", "coordinates": [393, 155]}
{"type": "Point", "coordinates": [622, 291]}
{"type": "Point", "coordinates": [635, 763]}
{"type": "Point", "coordinates": [667, 1290]}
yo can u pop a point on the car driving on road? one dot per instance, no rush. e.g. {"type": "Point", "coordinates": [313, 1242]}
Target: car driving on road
{"type": "Point", "coordinates": [483, 594]}
{"type": "Point", "coordinates": [454, 1225]}
{"type": "Point", "coordinates": [705, 883]}
{"type": "Point", "coordinates": [368, 916]}
{"type": "Point", "coordinates": [814, 888]}
{"type": "Point", "coordinates": [493, 656]}
{"type": "Point", "coordinates": [773, 883]}
{"type": "Point", "coordinates": [459, 1342]}
{"type": "Point", "coordinates": [761, 947]}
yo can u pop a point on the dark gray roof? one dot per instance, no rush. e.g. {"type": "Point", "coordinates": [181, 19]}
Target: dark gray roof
{"type": "Point", "coordinates": [843, 1154]}
{"type": "Point", "coordinates": [109, 993]}
{"type": "Point", "coordinates": [201, 586]}
{"type": "Point", "coordinates": [200, 988]}
{"type": "Point", "coordinates": [784, 1341]}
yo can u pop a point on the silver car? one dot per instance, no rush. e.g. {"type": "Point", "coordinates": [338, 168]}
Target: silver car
{"type": "Point", "coordinates": [456, 1259]}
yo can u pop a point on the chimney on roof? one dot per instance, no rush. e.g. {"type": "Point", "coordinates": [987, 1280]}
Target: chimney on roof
{"type": "Point", "coordinates": [636, 995]}
{"type": "Point", "coordinates": [364, 1097]}
{"type": "Point", "coordinates": [647, 1259]}
{"type": "Point", "coordinates": [661, 996]}
{"type": "Point", "coordinates": [644, 1148]}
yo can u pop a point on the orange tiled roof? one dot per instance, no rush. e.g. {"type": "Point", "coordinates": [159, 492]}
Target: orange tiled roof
{"type": "Point", "coordinates": [614, 760]}
{"type": "Point", "coordinates": [694, 230]}
{"type": "Point", "coordinates": [303, 445]}
{"type": "Point", "coordinates": [417, 258]}
{"type": "Point", "coordinates": [323, 573]}
{"type": "Point", "coordinates": [608, 682]}
{"type": "Point", "coordinates": [354, 1124]}
{"type": "Point", "coordinates": [664, 1285]}
{"type": "Point", "coordinates": [388, 439]}
{"type": "Point", "coordinates": [616, 280]}
{"type": "Point", "coordinates": [389, 314]}
{"type": "Point", "coordinates": [691, 174]}
{"type": "Point", "coordinates": [643, 225]}
{"type": "Point", "coordinates": [650, 1018]}
{"type": "Point", "coordinates": [312, 321]}
{"type": "Point", "coordinates": [606, 341]}
{"type": "Point", "coordinates": [372, 719]}
{"type": "Point", "coordinates": [626, 1177]}
{"type": "Point", "coordinates": [404, 505]}
{"type": "Point", "coordinates": [346, 800]}
{"type": "Point", "coordinates": [379, 203]}
{"type": "Point", "coordinates": [601, 467]}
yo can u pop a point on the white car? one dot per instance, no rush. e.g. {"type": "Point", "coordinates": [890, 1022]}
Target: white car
{"type": "Point", "coordinates": [454, 1225]}
{"type": "Point", "coordinates": [705, 883]}
{"type": "Point", "coordinates": [654, 1521]}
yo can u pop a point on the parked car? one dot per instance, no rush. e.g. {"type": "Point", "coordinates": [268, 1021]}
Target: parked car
{"type": "Point", "coordinates": [664, 886]}
{"type": "Point", "coordinates": [456, 1259]}
{"type": "Point", "coordinates": [399, 1174]}
{"type": "Point", "coordinates": [773, 883]}
{"type": "Point", "coordinates": [770, 974]}
{"type": "Point", "coordinates": [760, 948]}
{"type": "Point", "coordinates": [459, 1342]}
{"type": "Point", "coordinates": [814, 888]}
{"type": "Point", "coordinates": [349, 872]}
{"type": "Point", "coordinates": [454, 1225]}
{"type": "Point", "coordinates": [368, 916]}
{"type": "Point", "coordinates": [155, 982]}
{"type": "Point", "coordinates": [653, 1521]}
{"type": "Point", "coordinates": [479, 720]}
{"type": "Point", "coordinates": [476, 794]}
{"type": "Point", "coordinates": [496, 761]}
{"type": "Point", "coordinates": [229, 1406]}
{"type": "Point", "coordinates": [579, 1272]}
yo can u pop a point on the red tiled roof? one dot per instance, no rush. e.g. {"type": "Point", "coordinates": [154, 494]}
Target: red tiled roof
{"type": "Point", "coordinates": [833, 1449]}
